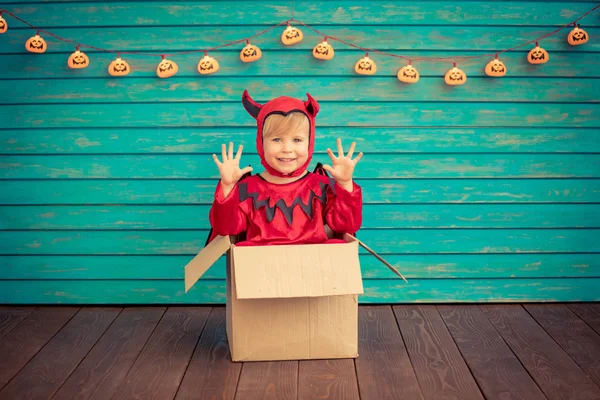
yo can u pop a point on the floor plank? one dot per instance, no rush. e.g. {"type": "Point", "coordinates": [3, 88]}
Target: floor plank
{"type": "Point", "coordinates": [211, 374]}
{"type": "Point", "coordinates": [557, 375]}
{"type": "Point", "coordinates": [437, 362]}
{"type": "Point", "coordinates": [268, 380]}
{"type": "Point", "coordinates": [27, 338]}
{"type": "Point", "coordinates": [383, 368]}
{"type": "Point", "coordinates": [102, 371]}
{"type": "Point", "coordinates": [161, 365]}
{"type": "Point", "coordinates": [589, 312]}
{"type": "Point", "coordinates": [49, 369]}
{"type": "Point", "coordinates": [576, 338]}
{"type": "Point", "coordinates": [11, 316]}
{"type": "Point", "coordinates": [327, 379]}
{"type": "Point", "coordinates": [498, 372]}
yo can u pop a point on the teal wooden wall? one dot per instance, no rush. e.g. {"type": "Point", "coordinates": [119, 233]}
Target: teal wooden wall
{"type": "Point", "coordinates": [486, 192]}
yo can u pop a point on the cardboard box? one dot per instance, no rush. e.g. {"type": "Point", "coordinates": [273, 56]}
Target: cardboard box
{"type": "Point", "coordinates": [288, 302]}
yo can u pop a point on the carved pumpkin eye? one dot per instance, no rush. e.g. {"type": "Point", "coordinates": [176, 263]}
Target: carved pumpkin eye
{"type": "Point", "coordinates": [166, 68]}
{"type": "Point", "coordinates": [408, 74]}
{"type": "Point", "coordinates": [495, 68]}
{"type": "Point", "coordinates": [323, 51]}
{"type": "Point", "coordinates": [365, 66]}
{"type": "Point", "coordinates": [250, 53]}
{"type": "Point", "coordinates": [577, 36]}
{"type": "Point", "coordinates": [455, 76]}
{"type": "Point", "coordinates": [78, 60]}
{"type": "Point", "coordinates": [291, 35]}
{"type": "Point", "coordinates": [208, 65]}
{"type": "Point", "coordinates": [119, 67]}
{"type": "Point", "coordinates": [538, 55]}
{"type": "Point", "coordinates": [36, 44]}
{"type": "Point", "coordinates": [3, 25]}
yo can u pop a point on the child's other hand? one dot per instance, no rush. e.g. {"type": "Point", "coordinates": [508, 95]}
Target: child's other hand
{"type": "Point", "coordinates": [229, 168]}
{"type": "Point", "coordinates": [343, 166]}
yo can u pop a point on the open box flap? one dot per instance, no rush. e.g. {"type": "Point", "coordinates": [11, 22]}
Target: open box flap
{"type": "Point", "coordinates": [349, 237]}
{"type": "Point", "coordinates": [203, 260]}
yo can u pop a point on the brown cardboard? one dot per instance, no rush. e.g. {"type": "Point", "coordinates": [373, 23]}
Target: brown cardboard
{"type": "Point", "coordinates": [289, 302]}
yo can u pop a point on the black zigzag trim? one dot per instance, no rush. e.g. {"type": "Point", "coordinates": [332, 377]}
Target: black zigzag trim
{"type": "Point", "coordinates": [287, 211]}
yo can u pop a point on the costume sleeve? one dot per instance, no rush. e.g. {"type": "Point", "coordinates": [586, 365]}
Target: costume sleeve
{"type": "Point", "coordinates": [226, 215]}
{"type": "Point", "coordinates": [343, 212]}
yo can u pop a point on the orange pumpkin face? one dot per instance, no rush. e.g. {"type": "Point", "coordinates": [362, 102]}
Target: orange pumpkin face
{"type": "Point", "coordinates": [208, 65]}
{"type": "Point", "coordinates": [495, 68]}
{"type": "Point", "coordinates": [250, 53]}
{"type": "Point", "coordinates": [166, 68]}
{"type": "Point", "coordinates": [323, 51]}
{"type": "Point", "coordinates": [408, 74]}
{"type": "Point", "coordinates": [36, 44]}
{"type": "Point", "coordinates": [365, 66]}
{"type": "Point", "coordinates": [291, 35]}
{"type": "Point", "coordinates": [455, 76]}
{"type": "Point", "coordinates": [3, 25]}
{"type": "Point", "coordinates": [78, 60]}
{"type": "Point", "coordinates": [537, 55]}
{"type": "Point", "coordinates": [119, 67]}
{"type": "Point", "coordinates": [577, 36]}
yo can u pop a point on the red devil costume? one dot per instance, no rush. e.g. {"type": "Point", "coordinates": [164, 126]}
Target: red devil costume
{"type": "Point", "coordinates": [291, 213]}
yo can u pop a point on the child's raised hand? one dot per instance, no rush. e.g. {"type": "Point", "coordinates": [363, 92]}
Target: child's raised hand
{"type": "Point", "coordinates": [343, 166]}
{"type": "Point", "coordinates": [229, 168]}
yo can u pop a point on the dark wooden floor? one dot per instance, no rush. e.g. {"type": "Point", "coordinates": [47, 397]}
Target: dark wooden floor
{"type": "Point", "coordinates": [462, 352]}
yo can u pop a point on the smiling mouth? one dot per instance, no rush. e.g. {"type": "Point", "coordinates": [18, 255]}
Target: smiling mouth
{"type": "Point", "coordinates": [286, 160]}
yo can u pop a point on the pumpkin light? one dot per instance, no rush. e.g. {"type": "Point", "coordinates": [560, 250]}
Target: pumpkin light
{"type": "Point", "coordinates": [250, 53]}
{"type": "Point", "coordinates": [78, 60]}
{"type": "Point", "coordinates": [3, 24]}
{"type": "Point", "coordinates": [36, 44]}
{"type": "Point", "coordinates": [455, 76]}
{"type": "Point", "coordinates": [538, 55]}
{"type": "Point", "coordinates": [365, 66]}
{"type": "Point", "coordinates": [323, 51]}
{"type": "Point", "coordinates": [408, 74]}
{"type": "Point", "coordinates": [166, 68]}
{"type": "Point", "coordinates": [119, 67]}
{"type": "Point", "coordinates": [577, 36]}
{"type": "Point", "coordinates": [291, 35]}
{"type": "Point", "coordinates": [207, 65]}
{"type": "Point", "coordinates": [495, 68]}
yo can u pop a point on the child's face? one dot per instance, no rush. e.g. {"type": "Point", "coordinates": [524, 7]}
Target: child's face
{"type": "Point", "coordinates": [287, 150]}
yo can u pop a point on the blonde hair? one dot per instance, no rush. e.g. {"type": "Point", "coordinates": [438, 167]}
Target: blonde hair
{"type": "Point", "coordinates": [277, 124]}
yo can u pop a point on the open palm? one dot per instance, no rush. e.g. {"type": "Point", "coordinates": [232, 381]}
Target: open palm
{"type": "Point", "coordinates": [342, 166]}
{"type": "Point", "coordinates": [229, 168]}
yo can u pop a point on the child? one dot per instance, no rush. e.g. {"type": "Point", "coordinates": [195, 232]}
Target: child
{"type": "Point", "coordinates": [285, 204]}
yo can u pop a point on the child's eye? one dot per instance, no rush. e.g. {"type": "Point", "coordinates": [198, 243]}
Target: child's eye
{"type": "Point", "coordinates": [276, 140]}
{"type": "Point", "coordinates": [297, 140]}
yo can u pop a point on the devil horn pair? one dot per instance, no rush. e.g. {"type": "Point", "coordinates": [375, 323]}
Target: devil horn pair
{"type": "Point", "coordinates": [254, 108]}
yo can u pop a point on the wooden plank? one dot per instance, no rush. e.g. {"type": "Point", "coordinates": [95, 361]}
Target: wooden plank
{"type": "Point", "coordinates": [377, 291]}
{"type": "Point", "coordinates": [430, 114]}
{"type": "Point", "coordinates": [388, 191]}
{"type": "Point", "coordinates": [211, 374]}
{"type": "Point", "coordinates": [301, 64]}
{"type": "Point", "coordinates": [24, 341]}
{"type": "Point", "coordinates": [383, 367]}
{"type": "Point", "coordinates": [12, 316]}
{"type": "Point", "coordinates": [556, 374]}
{"type": "Point", "coordinates": [327, 379]}
{"type": "Point", "coordinates": [498, 372]}
{"type": "Point", "coordinates": [370, 140]}
{"type": "Point", "coordinates": [158, 370]}
{"type": "Point", "coordinates": [392, 38]}
{"type": "Point", "coordinates": [318, 12]}
{"type": "Point", "coordinates": [51, 367]}
{"type": "Point", "coordinates": [480, 266]}
{"type": "Point", "coordinates": [378, 166]}
{"type": "Point", "coordinates": [577, 339]}
{"type": "Point", "coordinates": [590, 313]}
{"type": "Point", "coordinates": [437, 363]}
{"type": "Point", "coordinates": [387, 241]}
{"type": "Point", "coordinates": [268, 380]}
{"type": "Point", "coordinates": [105, 367]}
{"type": "Point", "coordinates": [375, 216]}
{"type": "Point", "coordinates": [530, 90]}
